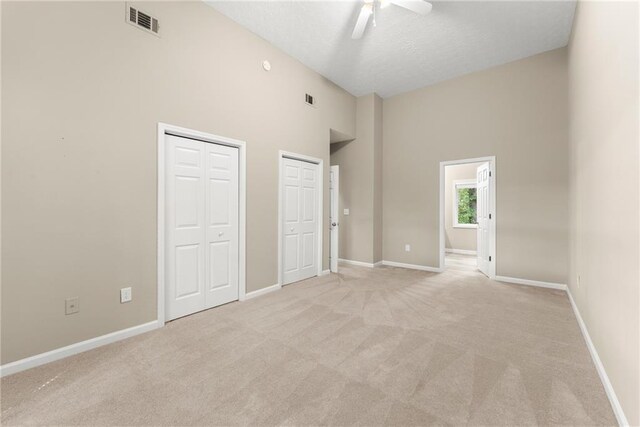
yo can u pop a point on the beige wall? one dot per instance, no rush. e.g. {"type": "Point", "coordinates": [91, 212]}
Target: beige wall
{"type": "Point", "coordinates": [456, 237]}
{"type": "Point", "coordinates": [79, 162]}
{"type": "Point", "coordinates": [603, 101]}
{"type": "Point", "coordinates": [516, 112]}
{"type": "Point", "coordinates": [360, 164]}
{"type": "Point", "coordinates": [83, 92]}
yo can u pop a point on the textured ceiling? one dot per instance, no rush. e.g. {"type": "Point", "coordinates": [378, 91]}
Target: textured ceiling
{"type": "Point", "coordinates": [405, 51]}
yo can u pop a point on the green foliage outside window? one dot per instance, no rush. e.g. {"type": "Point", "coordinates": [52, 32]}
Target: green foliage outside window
{"type": "Point", "coordinates": [467, 201]}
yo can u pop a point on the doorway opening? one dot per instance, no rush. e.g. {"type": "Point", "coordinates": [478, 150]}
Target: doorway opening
{"type": "Point", "coordinates": [467, 215]}
{"type": "Point", "coordinates": [334, 217]}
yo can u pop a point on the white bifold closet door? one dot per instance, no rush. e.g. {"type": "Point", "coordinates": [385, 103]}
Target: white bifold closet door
{"type": "Point", "coordinates": [300, 220]}
{"type": "Point", "coordinates": [202, 258]}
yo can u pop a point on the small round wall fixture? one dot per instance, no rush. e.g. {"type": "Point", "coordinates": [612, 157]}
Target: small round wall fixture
{"type": "Point", "coordinates": [266, 65]}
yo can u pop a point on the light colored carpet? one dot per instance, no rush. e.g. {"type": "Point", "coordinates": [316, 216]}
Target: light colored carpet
{"type": "Point", "coordinates": [383, 346]}
{"type": "Point", "coordinates": [461, 262]}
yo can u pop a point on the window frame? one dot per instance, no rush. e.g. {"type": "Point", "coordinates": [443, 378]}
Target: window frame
{"type": "Point", "coordinates": [459, 184]}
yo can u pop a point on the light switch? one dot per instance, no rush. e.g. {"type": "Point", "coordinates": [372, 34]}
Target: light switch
{"type": "Point", "coordinates": [125, 295]}
{"type": "Point", "coordinates": [407, 248]}
{"type": "Point", "coordinates": [346, 211]}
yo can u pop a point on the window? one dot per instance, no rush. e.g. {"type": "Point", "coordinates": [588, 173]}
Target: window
{"type": "Point", "coordinates": [464, 204]}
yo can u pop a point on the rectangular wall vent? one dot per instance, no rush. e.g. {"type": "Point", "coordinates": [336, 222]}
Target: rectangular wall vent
{"type": "Point", "coordinates": [142, 20]}
{"type": "Point", "coordinates": [309, 99]}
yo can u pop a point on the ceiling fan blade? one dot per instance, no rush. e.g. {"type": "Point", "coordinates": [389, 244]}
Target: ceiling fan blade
{"type": "Point", "coordinates": [420, 7]}
{"type": "Point", "coordinates": [361, 23]}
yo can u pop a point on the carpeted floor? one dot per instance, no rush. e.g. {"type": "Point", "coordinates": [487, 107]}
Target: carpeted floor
{"type": "Point", "coordinates": [383, 346]}
{"type": "Point", "coordinates": [461, 262]}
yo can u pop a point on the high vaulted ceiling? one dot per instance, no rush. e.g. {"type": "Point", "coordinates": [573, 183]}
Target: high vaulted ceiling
{"type": "Point", "coordinates": [405, 51]}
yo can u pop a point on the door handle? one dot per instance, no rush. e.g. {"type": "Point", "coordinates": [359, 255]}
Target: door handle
{"type": "Point", "coordinates": [334, 224]}
{"type": "Point", "coordinates": [291, 229]}
{"type": "Point", "coordinates": [220, 234]}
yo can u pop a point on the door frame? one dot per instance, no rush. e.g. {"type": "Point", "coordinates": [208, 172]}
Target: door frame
{"type": "Point", "coordinates": [166, 129]}
{"type": "Point", "coordinates": [492, 208]}
{"type": "Point", "coordinates": [294, 156]}
{"type": "Point", "coordinates": [334, 195]}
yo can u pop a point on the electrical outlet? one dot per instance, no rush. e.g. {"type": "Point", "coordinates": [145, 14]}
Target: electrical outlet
{"type": "Point", "coordinates": [71, 305]}
{"type": "Point", "coordinates": [346, 211]}
{"type": "Point", "coordinates": [407, 248]}
{"type": "Point", "coordinates": [125, 295]}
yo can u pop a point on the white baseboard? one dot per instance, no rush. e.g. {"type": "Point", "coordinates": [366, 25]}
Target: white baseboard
{"type": "Point", "coordinates": [273, 288]}
{"type": "Point", "coordinates": [527, 282]}
{"type": "Point", "coordinates": [70, 350]}
{"type": "Point", "coordinates": [461, 251]}
{"type": "Point", "coordinates": [362, 264]}
{"type": "Point", "coordinates": [611, 394]}
{"type": "Point", "coordinates": [357, 263]}
{"type": "Point", "coordinates": [262, 291]}
{"type": "Point", "coordinates": [412, 266]}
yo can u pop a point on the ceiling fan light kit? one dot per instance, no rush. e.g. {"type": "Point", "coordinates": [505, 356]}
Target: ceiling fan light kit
{"type": "Point", "coordinates": [420, 7]}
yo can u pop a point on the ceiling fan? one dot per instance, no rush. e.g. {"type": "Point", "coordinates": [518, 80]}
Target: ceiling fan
{"type": "Point", "coordinates": [420, 7]}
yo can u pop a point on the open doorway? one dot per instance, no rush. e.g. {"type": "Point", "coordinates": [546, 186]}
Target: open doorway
{"type": "Point", "coordinates": [344, 157]}
{"type": "Point", "coordinates": [334, 217]}
{"type": "Point", "coordinates": [467, 215]}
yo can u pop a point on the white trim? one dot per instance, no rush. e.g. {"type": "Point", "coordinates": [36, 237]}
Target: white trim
{"type": "Point", "coordinates": [356, 263]}
{"type": "Point", "coordinates": [262, 291]}
{"type": "Point", "coordinates": [412, 266]}
{"type": "Point", "coordinates": [70, 350]}
{"type": "Point", "coordinates": [527, 282]}
{"type": "Point", "coordinates": [460, 251]}
{"type": "Point", "coordinates": [273, 288]}
{"type": "Point", "coordinates": [492, 208]}
{"type": "Point", "coordinates": [289, 155]}
{"type": "Point", "coordinates": [461, 183]}
{"type": "Point", "coordinates": [608, 388]}
{"type": "Point", "coordinates": [391, 264]}
{"type": "Point", "coordinates": [163, 129]}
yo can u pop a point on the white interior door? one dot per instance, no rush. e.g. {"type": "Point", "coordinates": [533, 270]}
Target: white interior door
{"type": "Point", "coordinates": [334, 188]}
{"type": "Point", "coordinates": [185, 219]}
{"type": "Point", "coordinates": [222, 256]}
{"type": "Point", "coordinates": [300, 220]}
{"type": "Point", "coordinates": [483, 217]}
{"type": "Point", "coordinates": [202, 225]}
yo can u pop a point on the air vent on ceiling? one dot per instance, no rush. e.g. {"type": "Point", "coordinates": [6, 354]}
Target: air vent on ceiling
{"type": "Point", "coordinates": [142, 20]}
{"type": "Point", "coordinates": [309, 100]}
